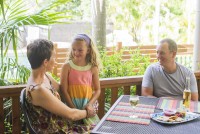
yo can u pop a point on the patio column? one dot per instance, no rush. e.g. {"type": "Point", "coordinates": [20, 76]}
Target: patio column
{"type": "Point", "coordinates": [196, 50]}
{"type": "Point", "coordinates": [156, 23]}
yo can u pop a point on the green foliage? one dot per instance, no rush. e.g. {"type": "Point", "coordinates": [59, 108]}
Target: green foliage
{"type": "Point", "coordinates": [115, 66]}
{"type": "Point", "coordinates": [130, 15]}
{"type": "Point", "coordinates": [79, 9]}
{"type": "Point", "coordinates": [175, 18]}
{"type": "Point", "coordinates": [8, 127]}
{"type": "Point", "coordinates": [8, 117]}
{"type": "Point", "coordinates": [7, 107]}
{"type": "Point", "coordinates": [11, 73]}
{"type": "Point", "coordinates": [15, 14]}
{"type": "Point", "coordinates": [172, 6]}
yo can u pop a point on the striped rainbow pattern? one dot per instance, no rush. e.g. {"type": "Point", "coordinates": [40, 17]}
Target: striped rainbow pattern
{"type": "Point", "coordinates": [80, 87]}
{"type": "Point", "coordinates": [123, 110]}
{"type": "Point", "coordinates": [165, 103]}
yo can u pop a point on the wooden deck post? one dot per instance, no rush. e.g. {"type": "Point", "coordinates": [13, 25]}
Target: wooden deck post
{"type": "Point", "coordinates": [119, 46]}
{"type": "Point", "coordinates": [101, 101]}
{"type": "Point", "coordinates": [138, 90]}
{"type": "Point", "coordinates": [16, 115]}
{"type": "Point", "coordinates": [114, 95]}
{"type": "Point", "coordinates": [55, 67]}
{"type": "Point", "coordinates": [1, 116]}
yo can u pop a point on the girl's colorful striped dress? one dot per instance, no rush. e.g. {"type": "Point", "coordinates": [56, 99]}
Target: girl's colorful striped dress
{"type": "Point", "coordinates": [80, 89]}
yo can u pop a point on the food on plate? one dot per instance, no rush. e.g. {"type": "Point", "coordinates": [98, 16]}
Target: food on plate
{"type": "Point", "coordinates": [169, 112]}
{"type": "Point", "coordinates": [163, 118]}
{"type": "Point", "coordinates": [172, 116]}
{"type": "Point", "coordinates": [181, 112]}
{"type": "Point", "coordinates": [179, 119]}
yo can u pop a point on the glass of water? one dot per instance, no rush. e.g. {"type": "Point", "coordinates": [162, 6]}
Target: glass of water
{"type": "Point", "coordinates": [134, 100]}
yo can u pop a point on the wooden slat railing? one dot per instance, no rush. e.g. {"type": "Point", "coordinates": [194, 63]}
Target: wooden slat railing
{"type": "Point", "coordinates": [146, 50]}
{"type": "Point", "coordinates": [113, 83]}
{"type": "Point", "coordinates": [14, 93]}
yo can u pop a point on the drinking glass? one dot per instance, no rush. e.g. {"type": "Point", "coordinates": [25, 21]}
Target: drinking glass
{"type": "Point", "coordinates": [133, 100]}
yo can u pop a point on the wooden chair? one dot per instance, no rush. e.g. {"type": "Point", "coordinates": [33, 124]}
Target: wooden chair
{"type": "Point", "coordinates": [24, 110]}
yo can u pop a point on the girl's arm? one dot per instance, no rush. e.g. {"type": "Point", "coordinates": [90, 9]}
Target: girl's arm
{"type": "Point", "coordinates": [64, 84]}
{"type": "Point", "coordinates": [43, 97]}
{"type": "Point", "coordinates": [96, 85]}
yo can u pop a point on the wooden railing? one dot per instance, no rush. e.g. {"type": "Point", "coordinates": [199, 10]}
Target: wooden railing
{"type": "Point", "coordinates": [12, 92]}
{"type": "Point", "coordinates": [146, 50]}
{"type": "Point", "coordinates": [150, 50]}
{"type": "Point", "coordinates": [113, 83]}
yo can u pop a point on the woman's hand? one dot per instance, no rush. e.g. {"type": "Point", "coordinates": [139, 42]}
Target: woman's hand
{"type": "Point", "coordinates": [90, 110]}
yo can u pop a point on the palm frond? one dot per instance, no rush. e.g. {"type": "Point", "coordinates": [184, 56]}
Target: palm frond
{"type": "Point", "coordinates": [16, 14]}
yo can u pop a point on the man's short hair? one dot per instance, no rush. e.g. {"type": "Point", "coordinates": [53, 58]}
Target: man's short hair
{"type": "Point", "coordinates": [171, 44]}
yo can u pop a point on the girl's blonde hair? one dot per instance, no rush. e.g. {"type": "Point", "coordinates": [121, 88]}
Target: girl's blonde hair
{"type": "Point", "coordinates": [92, 57]}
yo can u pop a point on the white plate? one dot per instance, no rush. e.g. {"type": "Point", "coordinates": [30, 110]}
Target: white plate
{"type": "Point", "coordinates": [189, 116]}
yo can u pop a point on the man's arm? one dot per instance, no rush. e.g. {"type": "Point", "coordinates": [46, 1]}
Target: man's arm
{"type": "Point", "coordinates": [193, 87]}
{"type": "Point", "coordinates": [194, 96]}
{"type": "Point", "coordinates": [147, 92]}
{"type": "Point", "coordinates": [147, 83]}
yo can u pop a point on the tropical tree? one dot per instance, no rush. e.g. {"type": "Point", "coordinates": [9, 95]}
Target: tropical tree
{"type": "Point", "coordinates": [131, 15]}
{"type": "Point", "coordinates": [99, 22]}
{"type": "Point", "coordinates": [14, 16]}
{"type": "Point", "coordinates": [176, 19]}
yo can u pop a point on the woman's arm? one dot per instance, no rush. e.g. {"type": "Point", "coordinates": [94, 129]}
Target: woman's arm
{"type": "Point", "coordinates": [44, 98]}
{"type": "Point", "coordinates": [64, 84]}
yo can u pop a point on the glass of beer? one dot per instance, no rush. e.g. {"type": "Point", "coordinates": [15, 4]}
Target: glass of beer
{"type": "Point", "coordinates": [134, 100]}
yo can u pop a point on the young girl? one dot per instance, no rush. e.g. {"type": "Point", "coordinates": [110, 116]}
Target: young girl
{"type": "Point", "coordinates": [80, 77]}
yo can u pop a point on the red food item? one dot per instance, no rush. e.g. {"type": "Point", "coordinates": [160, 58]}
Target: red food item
{"type": "Point", "coordinates": [180, 114]}
{"type": "Point", "coordinates": [169, 112]}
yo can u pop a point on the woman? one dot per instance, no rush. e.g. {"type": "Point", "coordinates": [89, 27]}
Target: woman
{"type": "Point", "coordinates": [46, 111]}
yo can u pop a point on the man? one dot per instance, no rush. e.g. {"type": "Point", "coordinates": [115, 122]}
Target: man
{"type": "Point", "coordinates": [168, 78]}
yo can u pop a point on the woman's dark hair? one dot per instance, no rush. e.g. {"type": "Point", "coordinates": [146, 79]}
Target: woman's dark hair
{"type": "Point", "coordinates": [38, 51]}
